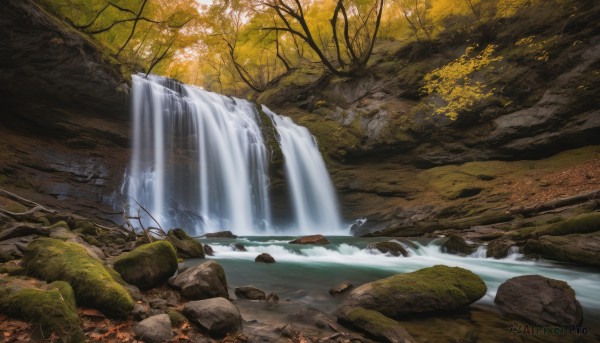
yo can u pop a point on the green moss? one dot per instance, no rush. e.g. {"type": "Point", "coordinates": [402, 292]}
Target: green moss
{"type": "Point", "coordinates": [585, 223]}
{"type": "Point", "coordinates": [120, 241]}
{"type": "Point", "coordinates": [373, 320]}
{"type": "Point", "coordinates": [47, 310]}
{"type": "Point", "coordinates": [454, 287]}
{"type": "Point", "coordinates": [185, 245]}
{"type": "Point", "coordinates": [177, 318]}
{"type": "Point", "coordinates": [59, 224]}
{"type": "Point", "coordinates": [271, 137]}
{"type": "Point", "coordinates": [87, 228]}
{"type": "Point", "coordinates": [50, 259]}
{"type": "Point", "coordinates": [148, 264]}
{"type": "Point", "coordinates": [66, 291]}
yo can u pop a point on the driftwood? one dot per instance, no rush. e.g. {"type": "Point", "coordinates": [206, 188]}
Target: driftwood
{"type": "Point", "coordinates": [556, 203]}
{"type": "Point", "coordinates": [27, 215]}
{"type": "Point", "coordinates": [149, 232]}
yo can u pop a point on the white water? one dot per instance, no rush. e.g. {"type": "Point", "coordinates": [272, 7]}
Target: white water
{"type": "Point", "coordinates": [348, 257]}
{"type": "Point", "coordinates": [199, 162]}
{"type": "Point", "coordinates": [312, 192]}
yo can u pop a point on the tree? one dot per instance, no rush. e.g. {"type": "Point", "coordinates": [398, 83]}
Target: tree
{"type": "Point", "coordinates": [460, 84]}
{"type": "Point", "coordinates": [354, 27]}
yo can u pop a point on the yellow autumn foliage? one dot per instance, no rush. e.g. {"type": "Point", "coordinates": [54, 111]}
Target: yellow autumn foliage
{"type": "Point", "coordinates": [460, 84]}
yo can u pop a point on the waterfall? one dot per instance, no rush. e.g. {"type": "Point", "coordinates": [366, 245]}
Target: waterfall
{"type": "Point", "coordinates": [200, 162]}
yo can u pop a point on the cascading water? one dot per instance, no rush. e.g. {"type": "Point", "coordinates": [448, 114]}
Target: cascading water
{"type": "Point", "coordinates": [200, 162]}
{"type": "Point", "coordinates": [312, 192]}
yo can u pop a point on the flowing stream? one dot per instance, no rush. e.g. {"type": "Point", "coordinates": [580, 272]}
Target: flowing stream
{"type": "Point", "coordinates": [306, 272]}
{"type": "Point", "coordinates": [200, 162]}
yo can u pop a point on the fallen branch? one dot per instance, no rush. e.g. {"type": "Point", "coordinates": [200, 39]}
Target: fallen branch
{"type": "Point", "coordinates": [556, 203]}
{"type": "Point", "coordinates": [30, 213]}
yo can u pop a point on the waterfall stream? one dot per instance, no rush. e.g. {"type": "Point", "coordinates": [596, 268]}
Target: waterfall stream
{"type": "Point", "coordinates": [200, 162]}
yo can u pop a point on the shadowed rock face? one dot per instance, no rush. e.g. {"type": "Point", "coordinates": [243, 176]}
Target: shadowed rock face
{"type": "Point", "coordinates": [64, 116]}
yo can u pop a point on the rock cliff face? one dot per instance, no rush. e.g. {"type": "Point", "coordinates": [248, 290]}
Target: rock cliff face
{"type": "Point", "coordinates": [64, 122]}
{"type": "Point", "coordinates": [399, 168]}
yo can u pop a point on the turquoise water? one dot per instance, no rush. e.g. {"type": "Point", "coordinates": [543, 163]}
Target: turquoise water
{"type": "Point", "coordinates": [304, 273]}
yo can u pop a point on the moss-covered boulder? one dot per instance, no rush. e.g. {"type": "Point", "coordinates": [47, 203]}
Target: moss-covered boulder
{"type": "Point", "coordinates": [148, 264]}
{"type": "Point", "coordinates": [186, 246]}
{"type": "Point", "coordinates": [584, 223]}
{"type": "Point", "coordinates": [433, 289]}
{"type": "Point", "coordinates": [50, 311]}
{"type": "Point", "coordinates": [576, 248]}
{"type": "Point", "coordinates": [94, 285]}
{"type": "Point", "coordinates": [375, 324]}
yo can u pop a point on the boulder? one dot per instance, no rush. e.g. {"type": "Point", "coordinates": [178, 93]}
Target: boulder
{"type": "Point", "coordinates": [272, 298]}
{"type": "Point", "coordinates": [237, 247]}
{"type": "Point", "coordinates": [208, 250]}
{"type": "Point", "coordinates": [14, 248]}
{"type": "Point", "coordinates": [340, 288]}
{"type": "Point", "coordinates": [434, 289]}
{"type": "Point", "coordinates": [154, 329]}
{"type": "Point", "coordinates": [185, 245]}
{"type": "Point", "coordinates": [94, 285]}
{"type": "Point", "coordinates": [575, 248]}
{"type": "Point", "coordinates": [204, 281]}
{"type": "Point", "coordinates": [312, 239]}
{"type": "Point", "coordinates": [499, 248]}
{"type": "Point", "coordinates": [220, 234]}
{"type": "Point", "coordinates": [23, 229]}
{"type": "Point", "coordinates": [264, 258]}
{"type": "Point", "coordinates": [250, 292]}
{"type": "Point", "coordinates": [539, 300]}
{"type": "Point", "coordinates": [139, 312]}
{"type": "Point", "coordinates": [455, 244]}
{"type": "Point", "coordinates": [217, 316]}
{"type": "Point", "coordinates": [375, 324]}
{"type": "Point", "coordinates": [148, 264]}
{"type": "Point", "coordinates": [393, 248]}
{"type": "Point", "coordinates": [51, 311]}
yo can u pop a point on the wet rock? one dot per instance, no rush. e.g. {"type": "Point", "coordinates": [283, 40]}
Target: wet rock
{"type": "Point", "coordinates": [158, 303]}
{"type": "Point", "coordinates": [575, 248]}
{"type": "Point", "coordinates": [272, 298]}
{"type": "Point", "coordinates": [393, 248]}
{"type": "Point", "coordinates": [20, 230]}
{"type": "Point", "coordinates": [139, 312]}
{"type": "Point", "coordinates": [182, 267]}
{"type": "Point", "coordinates": [237, 247]}
{"type": "Point", "coordinates": [499, 248]}
{"type": "Point", "coordinates": [217, 316]}
{"type": "Point", "coordinates": [154, 329]}
{"type": "Point", "coordinates": [185, 245]}
{"type": "Point", "coordinates": [208, 250]}
{"type": "Point", "coordinates": [340, 288]}
{"type": "Point", "coordinates": [206, 280]}
{"type": "Point", "coordinates": [434, 289]}
{"type": "Point", "coordinates": [312, 317]}
{"type": "Point", "coordinates": [220, 234]}
{"type": "Point", "coordinates": [455, 244]}
{"type": "Point", "coordinates": [250, 292]}
{"type": "Point", "coordinates": [312, 239]}
{"type": "Point", "coordinates": [375, 324]}
{"type": "Point", "coordinates": [264, 258]}
{"type": "Point", "coordinates": [14, 248]}
{"type": "Point", "coordinates": [148, 264]}
{"type": "Point", "coordinates": [539, 300]}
